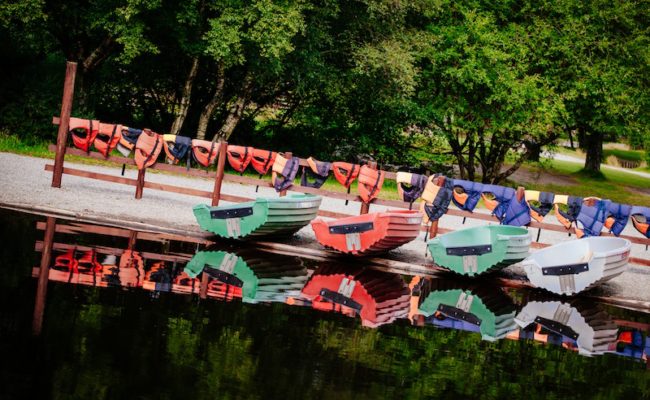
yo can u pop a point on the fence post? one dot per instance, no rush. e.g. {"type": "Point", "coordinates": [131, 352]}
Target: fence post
{"type": "Point", "coordinates": [288, 155]}
{"type": "Point", "coordinates": [64, 124]}
{"type": "Point", "coordinates": [43, 276]}
{"type": "Point", "coordinates": [139, 184]}
{"type": "Point", "coordinates": [365, 207]}
{"type": "Point", "coordinates": [221, 162]}
{"type": "Point", "coordinates": [203, 290]}
{"type": "Point", "coordinates": [433, 228]}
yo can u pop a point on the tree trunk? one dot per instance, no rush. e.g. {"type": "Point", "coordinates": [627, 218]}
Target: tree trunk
{"type": "Point", "coordinates": [207, 112]}
{"type": "Point", "coordinates": [234, 116]}
{"type": "Point", "coordinates": [592, 143]}
{"type": "Point", "coordinates": [184, 106]}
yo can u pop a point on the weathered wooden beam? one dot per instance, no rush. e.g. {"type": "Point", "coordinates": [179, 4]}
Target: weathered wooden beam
{"type": "Point", "coordinates": [218, 179]}
{"type": "Point", "coordinates": [66, 109]}
{"type": "Point", "coordinates": [41, 288]}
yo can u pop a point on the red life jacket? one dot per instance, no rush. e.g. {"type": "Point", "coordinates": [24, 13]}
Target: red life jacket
{"type": "Point", "coordinates": [345, 173]}
{"type": "Point", "coordinates": [66, 262]}
{"type": "Point", "coordinates": [107, 138]}
{"type": "Point", "coordinates": [83, 132]}
{"type": "Point", "coordinates": [239, 157]}
{"type": "Point", "coordinates": [370, 183]}
{"type": "Point", "coordinates": [147, 149]}
{"type": "Point", "coordinates": [204, 152]}
{"type": "Point", "coordinates": [262, 160]}
{"type": "Point", "coordinates": [88, 263]}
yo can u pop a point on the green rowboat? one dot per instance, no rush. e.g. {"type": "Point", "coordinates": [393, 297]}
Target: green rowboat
{"type": "Point", "coordinates": [262, 217]}
{"type": "Point", "coordinates": [474, 251]}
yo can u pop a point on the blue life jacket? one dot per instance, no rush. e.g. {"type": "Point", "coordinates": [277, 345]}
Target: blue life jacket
{"type": "Point", "coordinates": [546, 201]}
{"type": "Point", "coordinates": [440, 204]}
{"type": "Point", "coordinates": [317, 171]}
{"type": "Point", "coordinates": [574, 205]}
{"type": "Point", "coordinates": [509, 211]}
{"type": "Point", "coordinates": [617, 217]}
{"type": "Point", "coordinates": [592, 218]}
{"type": "Point", "coordinates": [414, 191]}
{"type": "Point", "coordinates": [131, 135]}
{"type": "Point", "coordinates": [288, 174]}
{"type": "Point", "coordinates": [468, 200]}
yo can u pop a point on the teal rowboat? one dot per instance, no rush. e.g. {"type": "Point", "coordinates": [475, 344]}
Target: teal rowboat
{"type": "Point", "coordinates": [474, 251]}
{"type": "Point", "coordinates": [483, 309]}
{"type": "Point", "coordinates": [252, 275]}
{"type": "Point", "coordinates": [262, 217]}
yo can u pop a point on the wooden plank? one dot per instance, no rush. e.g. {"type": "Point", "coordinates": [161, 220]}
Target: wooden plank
{"type": "Point", "coordinates": [139, 183]}
{"type": "Point", "coordinates": [218, 179]}
{"type": "Point", "coordinates": [176, 257]}
{"type": "Point", "coordinates": [66, 109]}
{"type": "Point", "coordinates": [41, 288]}
{"type": "Point", "coordinates": [288, 155]}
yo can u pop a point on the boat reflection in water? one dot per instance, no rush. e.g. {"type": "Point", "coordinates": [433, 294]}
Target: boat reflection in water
{"type": "Point", "coordinates": [462, 305]}
{"type": "Point", "coordinates": [378, 297]}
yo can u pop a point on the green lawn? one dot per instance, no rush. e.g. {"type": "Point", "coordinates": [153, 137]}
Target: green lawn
{"type": "Point", "coordinates": [630, 155]}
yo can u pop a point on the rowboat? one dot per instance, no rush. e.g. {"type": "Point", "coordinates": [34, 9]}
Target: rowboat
{"type": "Point", "coordinates": [474, 251]}
{"type": "Point", "coordinates": [250, 275]}
{"type": "Point", "coordinates": [262, 217]}
{"type": "Point", "coordinates": [378, 297]}
{"type": "Point", "coordinates": [368, 233]}
{"type": "Point", "coordinates": [576, 324]}
{"type": "Point", "coordinates": [572, 267]}
{"type": "Point", "coordinates": [457, 305]}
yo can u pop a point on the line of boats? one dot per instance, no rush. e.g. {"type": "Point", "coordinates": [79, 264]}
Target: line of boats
{"type": "Point", "coordinates": [567, 268]}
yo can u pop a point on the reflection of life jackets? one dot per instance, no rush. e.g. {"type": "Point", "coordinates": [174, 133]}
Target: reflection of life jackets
{"type": "Point", "coordinates": [177, 147]}
{"type": "Point", "coordinates": [239, 157]}
{"type": "Point", "coordinates": [83, 132]}
{"type": "Point", "coordinates": [574, 204]}
{"type": "Point", "coordinates": [284, 172]}
{"type": "Point", "coordinates": [108, 136]}
{"type": "Point", "coordinates": [88, 263]}
{"type": "Point", "coordinates": [617, 217]}
{"type": "Point", "coordinates": [591, 219]}
{"type": "Point", "coordinates": [641, 219]}
{"type": "Point", "coordinates": [410, 186]}
{"type": "Point", "coordinates": [128, 140]}
{"type": "Point", "coordinates": [545, 200]}
{"type": "Point", "coordinates": [66, 262]}
{"type": "Point", "coordinates": [185, 284]}
{"type": "Point", "coordinates": [437, 198]}
{"type": "Point", "coordinates": [370, 183]}
{"type": "Point", "coordinates": [131, 268]}
{"type": "Point", "coordinates": [204, 152]}
{"type": "Point", "coordinates": [316, 170]}
{"type": "Point", "coordinates": [158, 278]}
{"type": "Point", "coordinates": [506, 206]}
{"type": "Point", "coordinates": [147, 149]}
{"type": "Point", "coordinates": [262, 160]}
{"type": "Point", "coordinates": [468, 199]}
{"type": "Point", "coordinates": [345, 173]}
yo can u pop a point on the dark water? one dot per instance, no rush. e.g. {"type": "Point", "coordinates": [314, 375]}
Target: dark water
{"type": "Point", "coordinates": [283, 337]}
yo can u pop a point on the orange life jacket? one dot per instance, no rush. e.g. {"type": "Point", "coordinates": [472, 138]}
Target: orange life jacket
{"type": "Point", "coordinates": [131, 268]}
{"type": "Point", "coordinates": [83, 132]}
{"type": "Point", "coordinates": [108, 136]}
{"type": "Point", "coordinates": [345, 173]}
{"type": "Point", "coordinates": [263, 160]}
{"type": "Point", "coordinates": [370, 183]}
{"type": "Point", "coordinates": [147, 149]}
{"type": "Point", "coordinates": [66, 262]}
{"type": "Point", "coordinates": [88, 263]}
{"type": "Point", "coordinates": [204, 151]}
{"type": "Point", "coordinates": [239, 157]}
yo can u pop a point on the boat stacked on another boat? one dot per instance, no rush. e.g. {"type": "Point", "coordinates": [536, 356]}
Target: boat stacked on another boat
{"type": "Point", "coordinates": [368, 233]}
{"type": "Point", "coordinates": [474, 251]}
{"type": "Point", "coordinates": [265, 216]}
{"type": "Point", "coordinates": [572, 267]}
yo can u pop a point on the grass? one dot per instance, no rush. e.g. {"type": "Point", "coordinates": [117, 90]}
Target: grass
{"type": "Point", "coordinates": [629, 155]}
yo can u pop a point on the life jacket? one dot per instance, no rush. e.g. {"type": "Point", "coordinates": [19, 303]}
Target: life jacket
{"type": "Point", "coordinates": [262, 160]}
{"type": "Point", "coordinates": [345, 173]}
{"type": "Point", "coordinates": [88, 263]}
{"type": "Point", "coordinates": [617, 217]}
{"type": "Point", "coordinates": [177, 148]}
{"type": "Point", "coordinates": [574, 205]}
{"type": "Point", "coordinates": [107, 138]}
{"type": "Point", "coordinates": [410, 186]}
{"type": "Point", "coordinates": [83, 132]}
{"type": "Point", "coordinates": [159, 276]}
{"type": "Point", "coordinates": [507, 208]}
{"type": "Point", "coordinates": [284, 172]}
{"type": "Point", "coordinates": [131, 268]}
{"type": "Point", "coordinates": [591, 218]}
{"type": "Point", "coordinates": [437, 198]}
{"type": "Point", "coordinates": [317, 170]}
{"type": "Point", "coordinates": [472, 193]}
{"type": "Point", "coordinates": [204, 151]}
{"type": "Point", "coordinates": [66, 262]}
{"type": "Point", "coordinates": [239, 157]}
{"type": "Point", "coordinates": [128, 140]}
{"type": "Point", "coordinates": [147, 149]}
{"type": "Point", "coordinates": [545, 200]}
{"type": "Point", "coordinates": [370, 183]}
{"type": "Point", "coordinates": [641, 219]}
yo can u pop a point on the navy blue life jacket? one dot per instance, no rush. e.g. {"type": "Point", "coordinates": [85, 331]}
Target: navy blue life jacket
{"type": "Point", "coordinates": [574, 205]}
{"type": "Point", "coordinates": [617, 217]}
{"type": "Point", "coordinates": [467, 201]}
{"type": "Point", "coordinates": [641, 219]}
{"type": "Point", "coordinates": [131, 135]}
{"type": "Point", "coordinates": [510, 210]}
{"type": "Point", "coordinates": [440, 203]}
{"type": "Point", "coordinates": [288, 174]}
{"type": "Point", "coordinates": [412, 190]}
{"type": "Point", "coordinates": [592, 219]}
{"type": "Point", "coordinates": [317, 171]}
{"type": "Point", "coordinates": [546, 200]}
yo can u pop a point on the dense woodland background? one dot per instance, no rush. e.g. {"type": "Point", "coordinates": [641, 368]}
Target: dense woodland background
{"type": "Point", "coordinates": [480, 84]}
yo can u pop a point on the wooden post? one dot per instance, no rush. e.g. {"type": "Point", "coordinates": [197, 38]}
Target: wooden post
{"type": "Point", "coordinates": [288, 155]}
{"type": "Point", "coordinates": [221, 163]}
{"type": "Point", "coordinates": [66, 109]}
{"type": "Point", "coordinates": [133, 236]}
{"type": "Point", "coordinates": [43, 276]}
{"type": "Point", "coordinates": [433, 228]}
{"type": "Point", "coordinates": [139, 184]}
{"type": "Point", "coordinates": [203, 292]}
{"type": "Point", "coordinates": [365, 207]}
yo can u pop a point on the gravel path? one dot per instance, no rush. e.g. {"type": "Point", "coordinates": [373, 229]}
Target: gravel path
{"type": "Point", "coordinates": [26, 184]}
